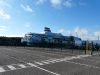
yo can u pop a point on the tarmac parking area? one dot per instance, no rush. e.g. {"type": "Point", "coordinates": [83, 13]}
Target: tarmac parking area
{"type": "Point", "coordinates": [36, 61]}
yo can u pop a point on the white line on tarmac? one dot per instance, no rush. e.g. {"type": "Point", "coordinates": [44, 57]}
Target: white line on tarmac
{"type": "Point", "coordinates": [50, 61]}
{"type": "Point", "coordinates": [69, 58]}
{"type": "Point", "coordinates": [48, 71]}
{"type": "Point", "coordinates": [39, 63]}
{"type": "Point", "coordinates": [91, 66]}
{"type": "Point", "coordinates": [91, 60]}
{"type": "Point", "coordinates": [45, 62]}
{"type": "Point", "coordinates": [96, 53]}
{"type": "Point", "coordinates": [22, 66]}
{"type": "Point", "coordinates": [2, 70]}
{"type": "Point", "coordinates": [44, 69]}
{"type": "Point", "coordinates": [31, 64]}
{"type": "Point", "coordinates": [11, 67]}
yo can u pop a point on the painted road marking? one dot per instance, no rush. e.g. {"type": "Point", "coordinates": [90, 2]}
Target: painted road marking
{"type": "Point", "coordinates": [39, 63]}
{"type": "Point", "coordinates": [45, 62]}
{"type": "Point", "coordinates": [91, 66]}
{"type": "Point", "coordinates": [22, 66]}
{"type": "Point", "coordinates": [43, 69]}
{"type": "Point", "coordinates": [96, 53]}
{"type": "Point", "coordinates": [50, 61]}
{"type": "Point", "coordinates": [47, 71]}
{"type": "Point", "coordinates": [31, 64]}
{"type": "Point", "coordinates": [65, 59]}
{"type": "Point", "coordinates": [2, 70]}
{"type": "Point", "coordinates": [11, 67]}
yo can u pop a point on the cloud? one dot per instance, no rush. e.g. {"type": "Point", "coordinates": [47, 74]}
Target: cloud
{"type": "Point", "coordinates": [4, 4]}
{"type": "Point", "coordinates": [68, 3]}
{"type": "Point", "coordinates": [65, 32]}
{"type": "Point", "coordinates": [41, 32]}
{"type": "Point", "coordinates": [97, 33]}
{"type": "Point", "coordinates": [76, 31]}
{"type": "Point", "coordinates": [16, 35]}
{"type": "Point", "coordinates": [89, 37]}
{"type": "Point", "coordinates": [80, 31]}
{"type": "Point", "coordinates": [26, 8]}
{"type": "Point", "coordinates": [62, 30]}
{"type": "Point", "coordinates": [85, 34]}
{"type": "Point", "coordinates": [40, 2]}
{"type": "Point", "coordinates": [28, 24]}
{"type": "Point", "coordinates": [3, 28]}
{"type": "Point", "coordinates": [56, 3]}
{"type": "Point", "coordinates": [4, 15]}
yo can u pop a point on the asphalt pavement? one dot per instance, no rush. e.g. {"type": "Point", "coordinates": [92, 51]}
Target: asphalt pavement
{"type": "Point", "coordinates": [44, 61]}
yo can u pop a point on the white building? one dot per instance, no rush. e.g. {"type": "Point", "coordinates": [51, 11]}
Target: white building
{"type": "Point", "coordinates": [48, 36]}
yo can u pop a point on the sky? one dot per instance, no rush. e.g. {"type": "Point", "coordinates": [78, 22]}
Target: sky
{"type": "Point", "coordinates": [79, 18]}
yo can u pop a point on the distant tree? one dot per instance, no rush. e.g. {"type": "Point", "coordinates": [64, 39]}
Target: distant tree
{"type": "Point", "coordinates": [13, 41]}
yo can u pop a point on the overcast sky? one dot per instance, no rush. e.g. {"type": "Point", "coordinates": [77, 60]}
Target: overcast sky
{"type": "Point", "coordinates": [70, 17]}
